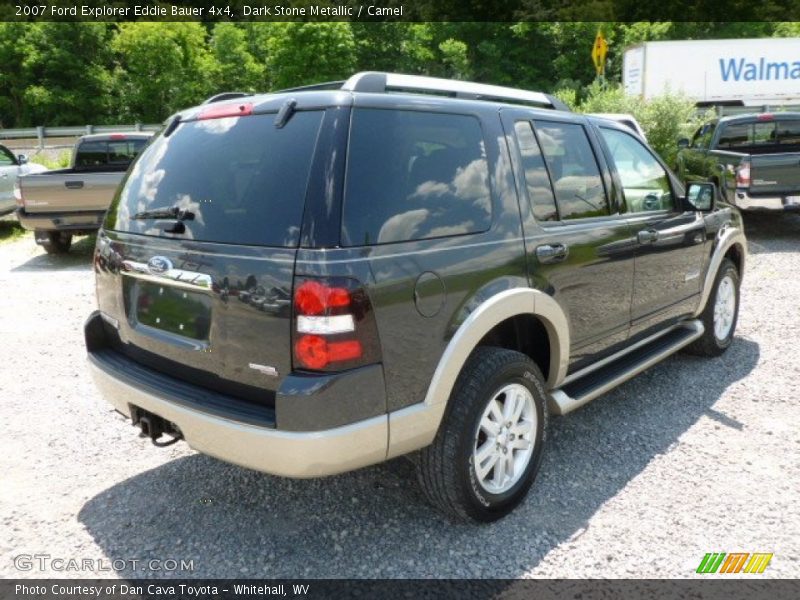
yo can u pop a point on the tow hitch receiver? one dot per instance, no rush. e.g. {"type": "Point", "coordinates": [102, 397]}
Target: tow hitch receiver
{"type": "Point", "coordinates": [154, 427]}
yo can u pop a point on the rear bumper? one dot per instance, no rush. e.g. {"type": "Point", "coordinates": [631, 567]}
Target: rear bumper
{"type": "Point", "coordinates": [744, 201]}
{"type": "Point", "coordinates": [285, 453]}
{"type": "Point", "coordinates": [244, 433]}
{"type": "Point", "coordinates": [73, 221]}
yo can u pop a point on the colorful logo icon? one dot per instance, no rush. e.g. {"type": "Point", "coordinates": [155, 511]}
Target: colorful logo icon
{"type": "Point", "coordinates": [734, 562]}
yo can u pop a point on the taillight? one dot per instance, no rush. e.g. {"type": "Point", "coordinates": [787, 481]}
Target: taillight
{"type": "Point", "coordinates": [743, 175]}
{"type": "Point", "coordinates": [334, 327]}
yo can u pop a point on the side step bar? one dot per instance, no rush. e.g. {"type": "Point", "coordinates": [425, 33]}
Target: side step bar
{"type": "Point", "coordinates": [587, 384]}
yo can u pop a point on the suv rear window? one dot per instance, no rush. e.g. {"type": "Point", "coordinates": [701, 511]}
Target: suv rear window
{"type": "Point", "coordinates": [414, 175]}
{"type": "Point", "coordinates": [243, 180]}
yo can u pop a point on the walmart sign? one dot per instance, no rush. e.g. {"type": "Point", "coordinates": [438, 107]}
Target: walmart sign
{"type": "Point", "coordinates": [739, 69]}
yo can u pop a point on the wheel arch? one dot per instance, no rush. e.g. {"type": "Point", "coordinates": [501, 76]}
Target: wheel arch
{"type": "Point", "coordinates": [731, 244]}
{"type": "Point", "coordinates": [416, 426]}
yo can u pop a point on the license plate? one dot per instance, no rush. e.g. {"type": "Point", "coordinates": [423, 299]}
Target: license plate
{"type": "Point", "coordinates": [172, 309]}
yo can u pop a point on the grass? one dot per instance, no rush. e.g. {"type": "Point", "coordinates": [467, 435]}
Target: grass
{"type": "Point", "coordinates": [10, 230]}
{"type": "Point", "coordinates": [61, 162]}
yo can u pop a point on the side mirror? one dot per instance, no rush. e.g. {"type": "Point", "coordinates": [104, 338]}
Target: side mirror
{"type": "Point", "coordinates": [700, 196]}
{"type": "Point", "coordinates": [683, 143]}
{"type": "Point", "coordinates": [22, 159]}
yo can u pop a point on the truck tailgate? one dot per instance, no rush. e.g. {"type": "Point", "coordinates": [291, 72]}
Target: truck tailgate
{"type": "Point", "coordinates": [61, 191]}
{"type": "Point", "coordinates": [775, 174]}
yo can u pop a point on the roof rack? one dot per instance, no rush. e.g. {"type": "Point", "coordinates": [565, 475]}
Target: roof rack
{"type": "Point", "coordinates": [376, 82]}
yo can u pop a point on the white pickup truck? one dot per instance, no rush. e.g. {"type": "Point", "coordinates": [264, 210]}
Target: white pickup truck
{"type": "Point", "coordinates": [58, 204]}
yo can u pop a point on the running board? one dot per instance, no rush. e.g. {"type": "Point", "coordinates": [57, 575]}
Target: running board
{"type": "Point", "coordinates": [587, 384]}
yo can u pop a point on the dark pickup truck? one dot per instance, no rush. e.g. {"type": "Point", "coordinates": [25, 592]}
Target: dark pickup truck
{"type": "Point", "coordinates": [754, 159]}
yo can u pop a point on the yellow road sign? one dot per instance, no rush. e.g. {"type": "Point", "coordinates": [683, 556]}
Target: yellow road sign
{"type": "Point", "coordinates": [599, 51]}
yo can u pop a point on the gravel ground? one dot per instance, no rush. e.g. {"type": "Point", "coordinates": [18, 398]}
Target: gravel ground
{"type": "Point", "coordinates": [692, 456]}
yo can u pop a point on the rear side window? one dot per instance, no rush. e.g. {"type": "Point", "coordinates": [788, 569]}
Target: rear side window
{"type": "Point", "coordinates": [91, 154]}
{"type": "Point", "coordinates": [242, 180]}
{"type": "Point", "coordinates": [576, 177]}
{"type": "Point", "coordinates": [414, 175]}
{"type": "Point", "coordinates": [759, 133]}
{"type": "Point", "coordinates": [537, 181]}
{"type": "Point", "coordinates": [124, 151]}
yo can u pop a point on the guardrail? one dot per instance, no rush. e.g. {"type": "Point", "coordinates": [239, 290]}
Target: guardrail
{"type": "Point", "coordinates": [41, 133]}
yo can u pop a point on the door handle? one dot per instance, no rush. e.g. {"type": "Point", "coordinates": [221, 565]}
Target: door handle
{"type": "Point", "coordinates": [552, 253]}
{"type": "Point", "coordinates": [74, 185]}
{"type": "Point", "coordinates": [647, 236]}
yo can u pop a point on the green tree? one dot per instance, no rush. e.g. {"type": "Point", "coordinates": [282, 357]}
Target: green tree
{"type": "Point", "coordinates": [162, 67]}
{"type": "Point", "coordinates": [305, 53]}
{"type": "Point", "coordinates": [13, 50]}
{"type": "Point", "coordinates": [66, 73]}
{"type": "Point", "coordinates": [237, 68]}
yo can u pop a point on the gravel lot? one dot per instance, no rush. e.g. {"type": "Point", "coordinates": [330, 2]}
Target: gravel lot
{"type": "Point", "coordinates": [693, 456]}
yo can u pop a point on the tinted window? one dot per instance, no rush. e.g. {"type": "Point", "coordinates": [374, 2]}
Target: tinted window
{"type": "Point", "coordinates": [644, 181]}
{"type": "Point", "coordinates": [124, 151]}
{"type": "Point", "coordinates": [576, 177]}
{"type": "Point", "coordinates": [91, 154]}
{"type": "Point", "coordinates": [702, 137]}
{"type": "Point", "coordinates": [536, 179]}
{"type": "Point", "coordinates": [414, 175]}
{"type": "Point", "coordinates": [788, 132]}
{"type": "Point", "coordinates": [243, 179]}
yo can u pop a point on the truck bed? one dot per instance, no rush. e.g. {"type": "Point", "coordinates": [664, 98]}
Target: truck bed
{"type": "Point", "coordinates": [69, 190]}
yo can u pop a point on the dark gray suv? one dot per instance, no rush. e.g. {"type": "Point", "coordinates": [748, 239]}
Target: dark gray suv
{"type": "Point", "coordinates": [320, 279]}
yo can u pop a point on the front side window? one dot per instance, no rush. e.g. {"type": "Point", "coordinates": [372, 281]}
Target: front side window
{"type": "Point", "coordinates": [577, 182]}
{"type": "Point", "coordinates": [6, 158]}
{"type": "Point", "coordinates": [645, 183]}
{"type": "Point", "coordinates": [414, 175]}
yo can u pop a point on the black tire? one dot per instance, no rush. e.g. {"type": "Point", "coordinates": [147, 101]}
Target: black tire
{"type": "Point", "coordinates": [55, 242]}
{"type": "Point", "coordinates": [709, 344]}
{"type": "Point", "coordinates": [446, 468]}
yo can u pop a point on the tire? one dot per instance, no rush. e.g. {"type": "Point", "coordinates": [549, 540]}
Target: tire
{"type": "Point", "coordinates": [55, 242]}
{"type": "Point", "coordinates": [447, 468]}
{"type": "Point", "coordinates": [720, 314]}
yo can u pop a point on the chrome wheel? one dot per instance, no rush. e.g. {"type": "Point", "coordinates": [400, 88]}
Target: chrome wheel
{"type": "Point", "coordinates": [724, 308]}
{"type": "Point", "coordinates": [505, 439]}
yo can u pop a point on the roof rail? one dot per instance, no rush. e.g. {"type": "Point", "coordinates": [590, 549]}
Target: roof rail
{"type": "Point", "coordinates": [327, 85]}
{"type": "Point", "coordinates": [376, 82]}
{"type": "Point", "coordinates": [226, 96]}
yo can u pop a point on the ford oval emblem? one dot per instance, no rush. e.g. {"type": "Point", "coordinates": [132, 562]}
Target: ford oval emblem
{"type": "Point", "coordinates": [159, 264]}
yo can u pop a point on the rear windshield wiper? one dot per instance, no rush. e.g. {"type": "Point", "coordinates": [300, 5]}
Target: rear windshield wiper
{"type": "Point", "coordinates": [174, 212]}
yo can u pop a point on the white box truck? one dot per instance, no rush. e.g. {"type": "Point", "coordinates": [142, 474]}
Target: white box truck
{"type": "Point", "coordinates": [749, 72]}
